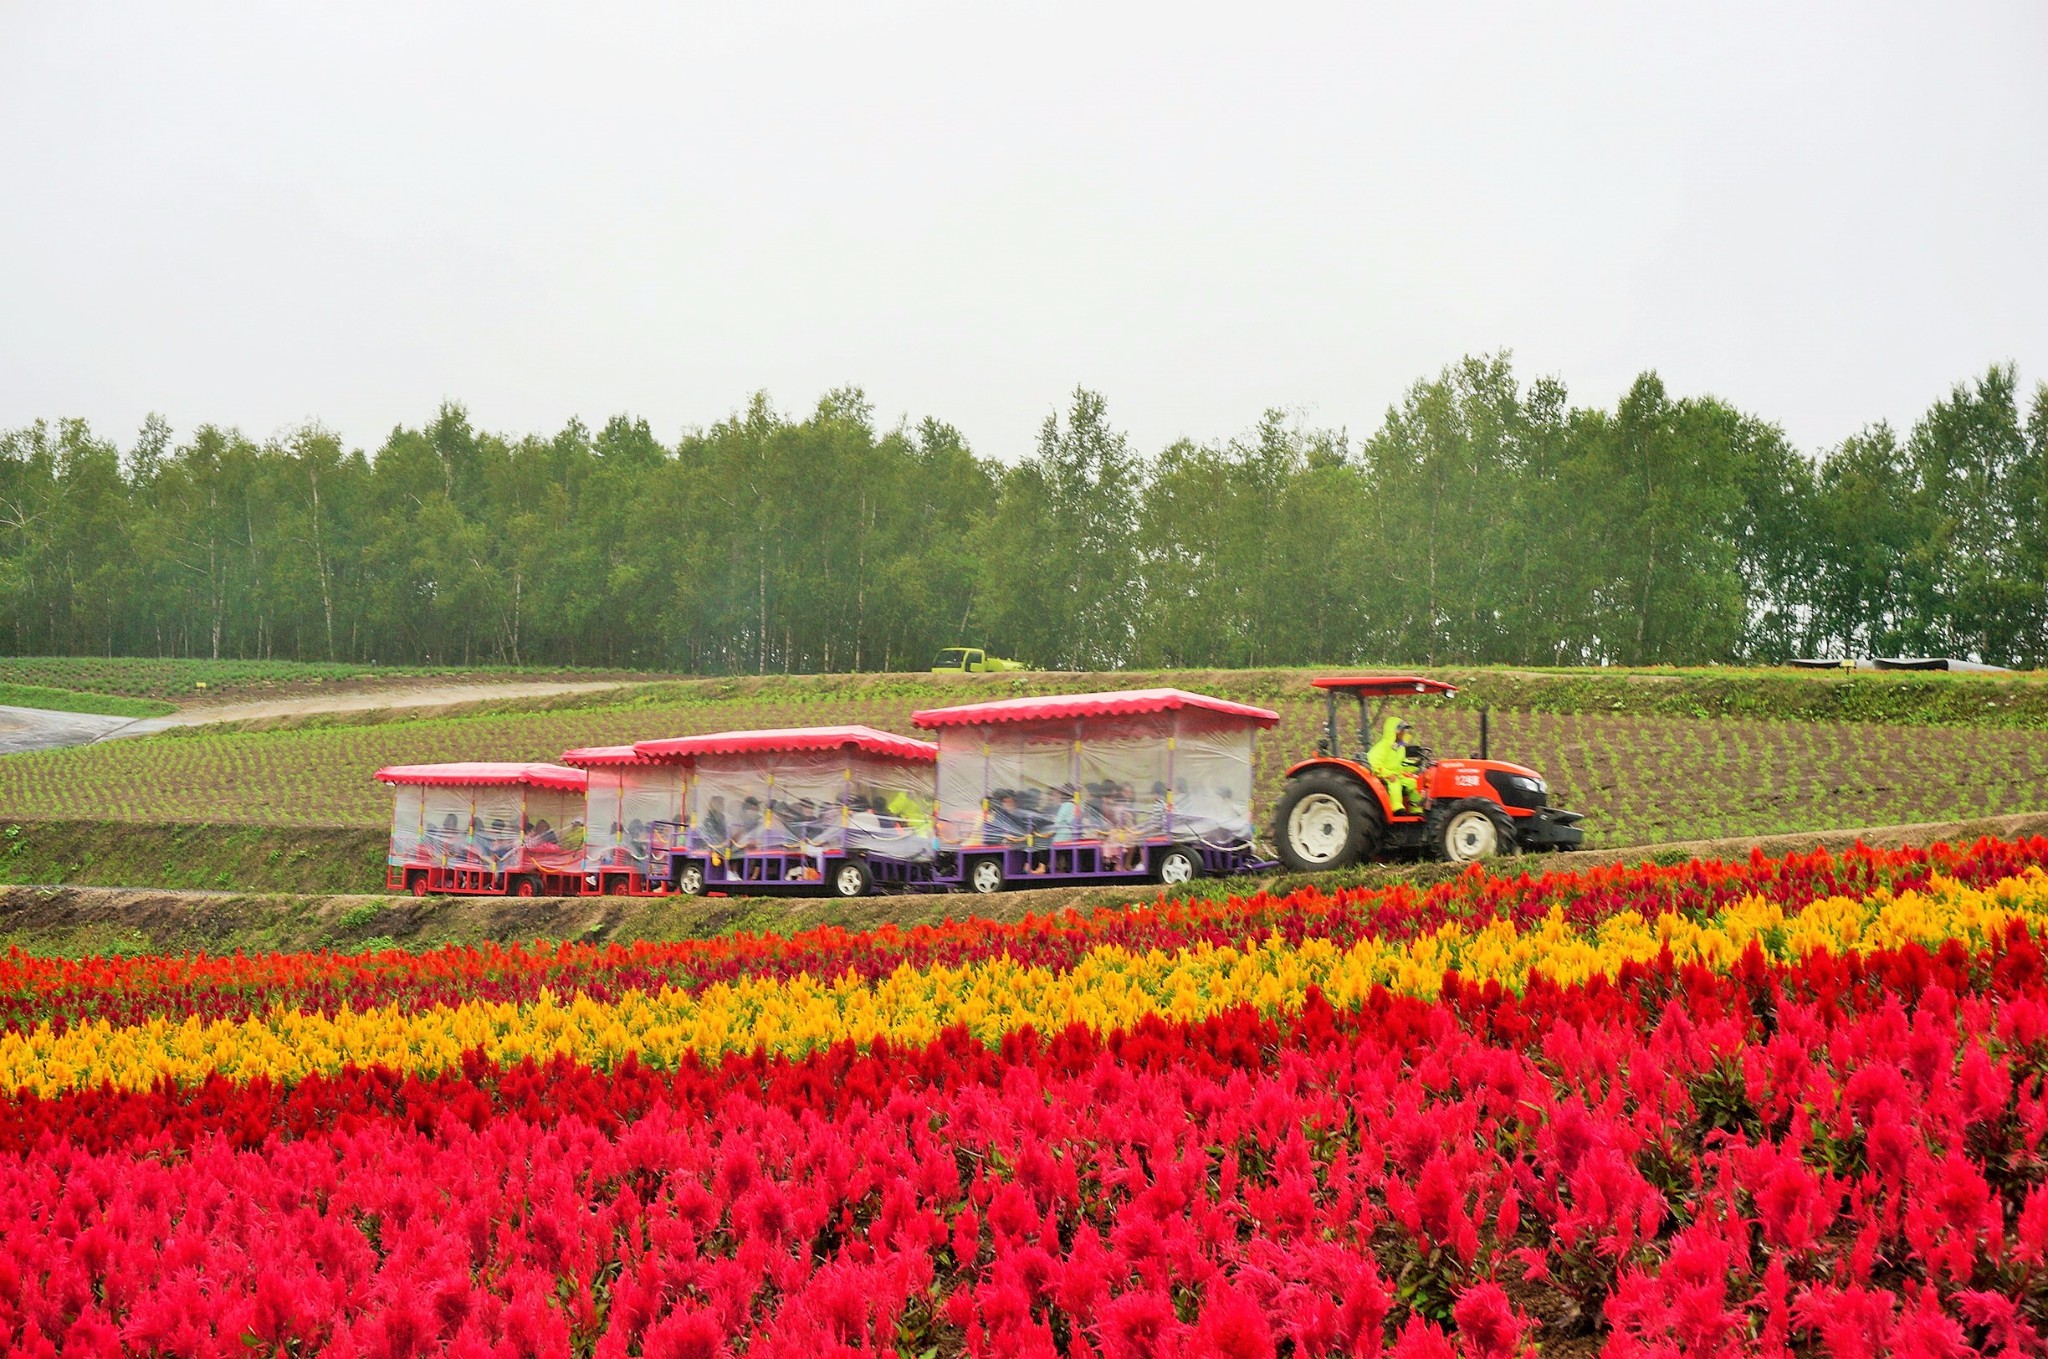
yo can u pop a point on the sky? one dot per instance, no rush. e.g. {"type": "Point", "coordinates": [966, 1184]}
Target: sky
{"type": "Point", "coordinates": [258, 214]}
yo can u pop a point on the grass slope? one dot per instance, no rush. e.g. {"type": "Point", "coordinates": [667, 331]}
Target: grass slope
{"type": "Point", "coordinates": [184, 680]}
{"type": "Point", "coordinates": [199, 857]}
{"type": "Point", "coordinates": [72, 701]}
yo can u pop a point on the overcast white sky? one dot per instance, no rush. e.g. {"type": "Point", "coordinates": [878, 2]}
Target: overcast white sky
{"type": "Point", "coordinates": [257, 214]}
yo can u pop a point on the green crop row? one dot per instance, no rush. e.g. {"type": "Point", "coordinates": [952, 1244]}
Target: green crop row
{"type": "Point", "coordinates": [1639, 779]}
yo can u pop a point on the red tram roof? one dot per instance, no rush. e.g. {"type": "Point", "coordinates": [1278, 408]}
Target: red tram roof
{"type": "Point", "coordinates": [792, 740]}
{"type": "Point", "coordinates": [1122, 703]}
{"type": "Point", "coordinates": [590, 757]}
{"type": "Point", "coordinates": [482, 774]}
{"type": "Point", "coordinates": [1383, 686]}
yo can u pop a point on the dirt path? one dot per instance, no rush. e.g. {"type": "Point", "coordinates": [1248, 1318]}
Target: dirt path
{"type": "Point", "coordinates": [80, 920]}
{"type": "Point", "coordinates": [24, 729]}
{"type": "Point", "coordinates": [418, 694]}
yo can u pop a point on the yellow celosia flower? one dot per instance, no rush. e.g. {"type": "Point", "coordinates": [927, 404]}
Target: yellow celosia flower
{"type": "Point", "coordinates": [1109, 987]}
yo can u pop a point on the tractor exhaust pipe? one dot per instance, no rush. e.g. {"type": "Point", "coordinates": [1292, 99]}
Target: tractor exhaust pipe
{"type": "Point", "coordinates": [1482, 734]}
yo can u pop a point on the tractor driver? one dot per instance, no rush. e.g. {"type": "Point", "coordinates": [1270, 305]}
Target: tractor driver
{"type": "Point", "coordinates": [1389, 758]}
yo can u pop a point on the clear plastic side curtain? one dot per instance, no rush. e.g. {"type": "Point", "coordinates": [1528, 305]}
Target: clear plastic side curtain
{"type": "Point", "coordinates": [496, 835]}
{"type": "Point", "coordinates": [448, 814]}
{"type": "Point", "coordinates": [552, 833]}
{"type": "Point", "coordinates": [651, 809]}
{"type": "Point", "coordinates": [1126, 765]}
{"type": "Point", "coordinates": [604, 827]}
{"type": "Point", "coordinates": [886, 809]}
{"type": "Point", "coordinates": [1003, 783]}
{"type": "Point", "coordinates": [1118, 780]}
{"type": "Point", "coordinates": [1212, 781]}
{"type": "Point", "coordinates": [810, 802]}
{"type": "Point", "coordinates": [408, 814]}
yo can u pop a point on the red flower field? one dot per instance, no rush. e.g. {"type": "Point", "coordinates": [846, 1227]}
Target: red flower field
{"type": "Point", "coordinates": [1775, 1150]}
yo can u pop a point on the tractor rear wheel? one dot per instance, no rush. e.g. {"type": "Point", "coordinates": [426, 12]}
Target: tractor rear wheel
{"type": "Point", "coordinates": [1325, 820]}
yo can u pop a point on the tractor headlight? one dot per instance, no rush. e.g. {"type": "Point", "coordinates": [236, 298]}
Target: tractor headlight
{"type": "Point", "coordinates": [1527, 784]}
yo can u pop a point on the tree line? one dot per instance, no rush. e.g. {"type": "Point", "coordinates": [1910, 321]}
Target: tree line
{"type": "Point", "coordinates": [1484, 521]}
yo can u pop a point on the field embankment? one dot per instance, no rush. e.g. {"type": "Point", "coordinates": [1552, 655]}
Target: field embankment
{"type": "Point", "coordinates": [43, 698]}
{"type": "Point", "coordinates": [167, 683]}
{"type": "Point", "coordinates": [192, 857]}
{"type": "Point", "coordinates": [77, 921]}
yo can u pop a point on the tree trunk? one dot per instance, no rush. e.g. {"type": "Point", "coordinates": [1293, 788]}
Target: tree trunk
{"type": "Point", "coordinates": [320, 562]}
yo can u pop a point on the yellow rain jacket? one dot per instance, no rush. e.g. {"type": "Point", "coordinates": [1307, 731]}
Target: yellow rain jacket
{"type": "Point", "coordinates": [1389, 760]}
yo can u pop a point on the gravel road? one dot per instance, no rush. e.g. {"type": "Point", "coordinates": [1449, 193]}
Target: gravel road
{"type": "Point", "coordinates": [25, 729]}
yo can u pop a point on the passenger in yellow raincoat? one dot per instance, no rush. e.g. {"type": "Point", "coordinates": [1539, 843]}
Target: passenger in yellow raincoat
{"type": "Point", "coordinates": [1388, 758]}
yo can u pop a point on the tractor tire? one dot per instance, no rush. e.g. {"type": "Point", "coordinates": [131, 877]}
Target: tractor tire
{"type": "Point", "coordinates": [851, 878]}
{"type": "Point", "coordinates": [1468, 831]}
{"type": "Point", "coordinates": [1325, 820]}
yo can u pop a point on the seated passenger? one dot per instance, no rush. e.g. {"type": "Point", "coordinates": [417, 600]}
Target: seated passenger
{"type": "Point", "coordinates": [863, 819]}
{"type": "Point", "coordinates": [1151, 818]}
{"type": "Point", "coordinates": [1066, 818]}
{"type": "Point", "coordinates": [1120, 837]}
{"type": "Point", "coordinates": [711, 829]}
{"type": "Point", "coordinates": [540, 835]}
{"type": "Point", "coordinates": [912, 810]}
{"type": "Point", "coordinates": [1006, 822]}
{"type": "Point", "coordinates": [747, 835]}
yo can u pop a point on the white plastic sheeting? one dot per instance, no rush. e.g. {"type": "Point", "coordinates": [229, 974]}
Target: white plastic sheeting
{"type": "Point", "coordinates": [1212, 781]}
{"type": "Point", "coordinates": [552, 833]}
{"type": "Point", "coordinates": [811, 802]}
{"type": "Point", "coordinates": [499, 829]}
{"type": "Point", "coordinates": [631, 814]}
{"type": "Point", "coordinates": [1183, 776]}
{"type": "Point", "coordinates": [408, 822]}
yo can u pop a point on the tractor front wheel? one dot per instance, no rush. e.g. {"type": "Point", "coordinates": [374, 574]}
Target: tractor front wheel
{"type": "Point", "coordinates": [1468, 831]}
{"type": "Point", "coordinates": [1325, 820]}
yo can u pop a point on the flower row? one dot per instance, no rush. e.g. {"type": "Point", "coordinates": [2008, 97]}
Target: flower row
{"type": "Point", "coordinates": [1109, 987]}
{"type": "Point", "coordinates": [1842, 1154]}
{"type": "Point", "coordinates": [125, 991]}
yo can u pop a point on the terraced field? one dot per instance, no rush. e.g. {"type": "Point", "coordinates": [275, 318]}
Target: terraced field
{"type": "Point", "coordinates": [1639, 779]}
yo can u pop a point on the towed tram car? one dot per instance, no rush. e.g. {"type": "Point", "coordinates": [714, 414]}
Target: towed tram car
{"type": "Point", "coordinates": [486, 829]}
{"type": "Point", "coordinates": [1142, 784]}
{"type": "Point", "coordinates": [633, 807]}
{"type": "Point", "coordinates": [838, 809]}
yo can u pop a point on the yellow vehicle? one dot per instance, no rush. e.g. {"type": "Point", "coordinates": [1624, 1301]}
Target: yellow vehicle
{"type": "Point", "coordinates": [971, 660]}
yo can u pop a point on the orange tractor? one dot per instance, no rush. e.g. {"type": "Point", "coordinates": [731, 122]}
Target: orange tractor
{"type": "Point", "coordinates": [1336, 810]}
